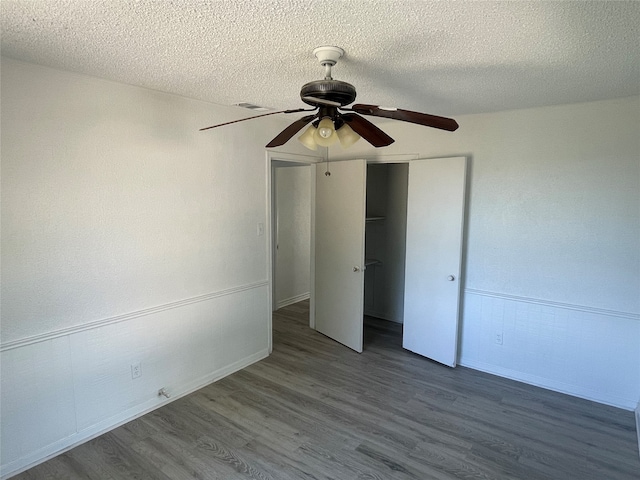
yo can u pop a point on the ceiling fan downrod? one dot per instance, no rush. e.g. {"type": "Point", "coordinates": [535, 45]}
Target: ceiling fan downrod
{"type": "Point", "coordinates": [327, 71]}
{"type": "Point", "coordinates": [328, 56]}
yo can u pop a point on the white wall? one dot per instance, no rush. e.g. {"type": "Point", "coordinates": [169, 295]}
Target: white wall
{"type": "Point", "coordinates": [127, 236]}
{"type": "Point", "coordinates": [293, 224]}
{"type": "Point", "coordinates": [553, 242]}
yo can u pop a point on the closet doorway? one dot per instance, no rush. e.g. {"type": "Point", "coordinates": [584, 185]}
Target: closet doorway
{"type": "Point", "coordinates": [426, 296]}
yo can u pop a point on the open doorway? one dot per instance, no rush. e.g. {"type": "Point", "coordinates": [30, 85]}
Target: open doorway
{"type": "Point", "coordinates": [290, 274]}
{"type": "Point", "coordinates": [291, 233]}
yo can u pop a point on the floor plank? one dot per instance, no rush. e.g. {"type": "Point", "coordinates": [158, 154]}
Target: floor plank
{"type": "Point", "coordinates": [316, 410]}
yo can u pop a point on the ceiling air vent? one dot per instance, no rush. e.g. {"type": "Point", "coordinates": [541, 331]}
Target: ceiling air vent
{"type": "Point", "coordinates": [251, 106]}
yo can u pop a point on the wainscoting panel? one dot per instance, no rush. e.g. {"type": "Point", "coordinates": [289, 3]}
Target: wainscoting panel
{"type": "Point", "coordinates": [61, 390]}
{"type": "Point", "coordinates": [37, 403]}
{"type": "Point", "coordinates": [582, 351]}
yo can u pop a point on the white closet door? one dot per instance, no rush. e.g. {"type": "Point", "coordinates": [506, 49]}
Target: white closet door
{"type": "Point", "coordinates": [435, 219]}
{"type": "Point", "coordinates": [339, 251]}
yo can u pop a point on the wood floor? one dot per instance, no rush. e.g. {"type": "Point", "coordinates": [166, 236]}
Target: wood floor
{"type": "Point", "coordinates": [316, 410]}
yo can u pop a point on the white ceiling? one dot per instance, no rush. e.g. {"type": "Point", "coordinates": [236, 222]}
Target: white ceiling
{"type": "Point", "coordinates": [446, 58]}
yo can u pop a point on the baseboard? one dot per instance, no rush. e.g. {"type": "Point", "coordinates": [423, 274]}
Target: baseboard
{"type": "Point", "coordinates": [560, 387]}
{"type": "Point", "coordinates": [290, 301]}
{"type": "Point", "coordinates": [82, 436]}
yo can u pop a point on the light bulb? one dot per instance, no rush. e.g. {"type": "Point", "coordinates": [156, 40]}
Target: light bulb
{"type": "Point", "coordinates": [325, 133]}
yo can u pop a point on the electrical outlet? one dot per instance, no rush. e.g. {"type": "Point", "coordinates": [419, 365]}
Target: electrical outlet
{"type": "Point", "coordinates": [499, 338]}
{"type": "Point", "coordinates": [136, 370]}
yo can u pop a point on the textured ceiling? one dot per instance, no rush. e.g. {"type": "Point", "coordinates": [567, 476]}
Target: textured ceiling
{"type": "Point", "coordinates": [446, 58]}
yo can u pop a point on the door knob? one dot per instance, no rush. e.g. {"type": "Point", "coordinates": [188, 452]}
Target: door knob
{"type": "Point", "coordinates": [451, 278]}
{"type": "Point", "coordinates": [356, 269]}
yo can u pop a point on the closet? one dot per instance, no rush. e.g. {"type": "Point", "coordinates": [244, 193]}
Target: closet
{"type": "Point", "coordinates": [409, 255]}
{"type": "Point", "coordinates": [385, 239]}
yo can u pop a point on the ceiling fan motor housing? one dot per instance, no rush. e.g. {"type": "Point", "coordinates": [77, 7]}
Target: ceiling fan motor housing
{"type": "Point", "coordinates": [328, 89]}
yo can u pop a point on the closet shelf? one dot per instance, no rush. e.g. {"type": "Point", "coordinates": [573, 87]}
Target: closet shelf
{"type": "Point", "coordinates": [374, 219]}
{"type": "Point", "coordinates": [371, 261]}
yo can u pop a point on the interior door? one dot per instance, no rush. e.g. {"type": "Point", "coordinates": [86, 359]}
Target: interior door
{"type": "Point", "coordinates": [339, 251]}
{"type": "Point", "coordinates": [435, 220]}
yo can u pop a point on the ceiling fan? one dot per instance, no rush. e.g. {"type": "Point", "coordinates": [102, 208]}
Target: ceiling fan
{"type": "Point", "coordinates": [333, 121]}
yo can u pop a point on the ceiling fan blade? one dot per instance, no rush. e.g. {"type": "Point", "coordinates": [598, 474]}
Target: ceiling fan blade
{"type": "Point", "coordinates": [285, 135]}
{"type": "Point", "coordinates": [367, 130]}
{"type": "Point", "coordinates": [425, 119]}
{"type": "Point", "coordinates": [258, 116]}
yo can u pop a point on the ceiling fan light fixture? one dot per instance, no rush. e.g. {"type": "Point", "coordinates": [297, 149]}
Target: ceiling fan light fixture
{"type": "Point", "coordinates": [325, 134]}
{"type": "Point", "coordinates": [347, 136]}
{"type": "Point", "coordinates": [307, 138]}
